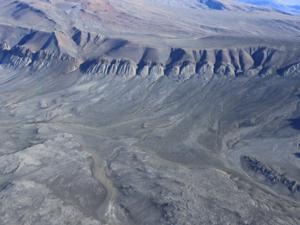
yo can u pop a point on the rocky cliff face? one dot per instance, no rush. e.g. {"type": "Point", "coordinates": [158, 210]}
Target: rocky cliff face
{"type": "Point", "coordinates": [19, 57]}
{"type": "Point", "coordinates": [38, 49]}
{"type": "Point", "coordinates": [35, 50]}
{"type": "Point", "coordinates": [183, 64]}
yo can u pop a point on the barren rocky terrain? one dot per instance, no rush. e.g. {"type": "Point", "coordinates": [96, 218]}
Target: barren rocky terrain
{"type": "Point", "coordinates": [149, 112]}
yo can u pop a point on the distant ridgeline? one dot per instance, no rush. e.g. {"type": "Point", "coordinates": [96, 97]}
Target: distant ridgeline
{"type": "Point", "coordinates": [283, 6]}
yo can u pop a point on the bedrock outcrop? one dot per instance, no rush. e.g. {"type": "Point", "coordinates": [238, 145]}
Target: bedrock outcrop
{"type": "Point", "coordinates": [183, 64]}
{"type": "Point", "coordinates": [95, 55]}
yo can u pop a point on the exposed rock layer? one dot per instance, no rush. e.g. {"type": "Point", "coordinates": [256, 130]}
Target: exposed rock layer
{"type": "Point", "coordinates": [36, 50]}
{"type": "Point", "coordinates": [270, 175]}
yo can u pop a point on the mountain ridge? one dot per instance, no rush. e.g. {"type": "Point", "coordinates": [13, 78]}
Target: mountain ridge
{"type": "Point", "coordinates": [130, 60]}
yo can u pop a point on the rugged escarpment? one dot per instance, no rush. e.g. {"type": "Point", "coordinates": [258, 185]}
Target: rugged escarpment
{"type": "Point", "coordinates": [95, 55]}
{"type": "Point", "coordinates": [35, 50]}
{"type": "Point", "coordinates": [19, 57]}
{"type": "Point", "coordinates": [184, 63]}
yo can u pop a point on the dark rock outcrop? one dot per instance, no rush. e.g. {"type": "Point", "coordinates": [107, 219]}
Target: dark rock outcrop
{"type": "Point", "coordinates": [270, 175]}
